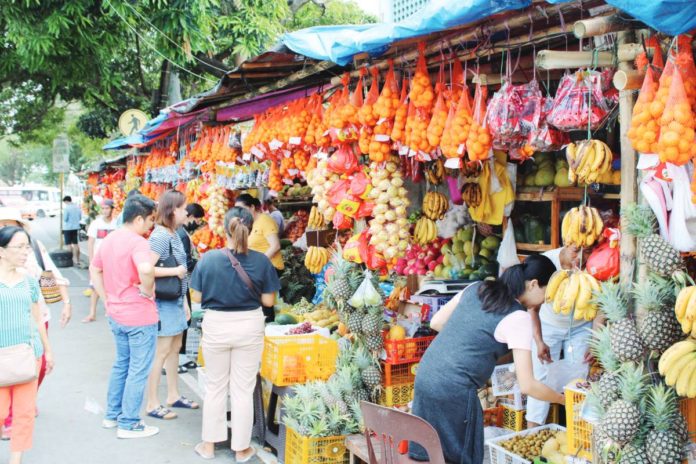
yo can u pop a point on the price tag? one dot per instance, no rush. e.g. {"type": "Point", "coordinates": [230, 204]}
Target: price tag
{"type": "Point", "coordinates": [322, 155]}
{"type": "Point", "coordinates": [348, 207]}
{"type": "Point", "coordinates": [425, 156]}
{"type": "Point", "coordinates": [293, 172]}
{"type": "Point", "coordinates": [295, 140]}
{"type": "Point", "coordinates": [287, 182]}
{"type": "Point", "coordinates": [246, 156]}
{"type": "Point", "coordinates": [382, 138]}
{"type": "Point", "coordinates": [287, 153]}
{"type": "Point", "coordinates": [381, 120]}
{"type": "Point", "coordinates": [411, 153]}
{"type": "Point", "coordinates": [257, 152]}
{"type": "Point", "coordinates": [453, 163]}
{"type": "Point", "coordinates": [461, 148]}
{"type": "Point", "coordinates": [275, 144]}
{"type": "Point", "coordinates": [404, 150]}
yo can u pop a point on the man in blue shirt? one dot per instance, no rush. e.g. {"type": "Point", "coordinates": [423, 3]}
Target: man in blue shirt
{"type": "Point", "coordinates": [71, 226]}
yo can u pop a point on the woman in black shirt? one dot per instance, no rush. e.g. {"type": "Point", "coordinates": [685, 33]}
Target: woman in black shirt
{"type": "Point", "coordinates": [232, 284]}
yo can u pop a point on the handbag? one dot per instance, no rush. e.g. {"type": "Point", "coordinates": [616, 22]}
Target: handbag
{"type": "Point", "coordinates": [47, 281]}
{"type": "Point", "coordinates": [243, 274]}
{"type": "Point", "coordinates": [168, 288]}
{"type": "Point", "coordinates": [18, 363]}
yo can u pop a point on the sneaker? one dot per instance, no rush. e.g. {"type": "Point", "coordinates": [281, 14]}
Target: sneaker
{"type": "Point", "coordinates": [109, 424]}
{"type": "Point", "coordinates": [139, 430]}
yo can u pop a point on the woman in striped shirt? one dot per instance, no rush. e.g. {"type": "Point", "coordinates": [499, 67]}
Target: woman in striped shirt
{"type": "Point", "coordinates": [20, 322]}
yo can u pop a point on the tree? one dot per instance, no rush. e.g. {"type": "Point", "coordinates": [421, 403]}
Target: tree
{"type": "Point", "coordinates": [331, 12]}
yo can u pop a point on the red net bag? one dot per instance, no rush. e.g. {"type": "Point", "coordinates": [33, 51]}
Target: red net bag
{"type": "Point", "coordinates": [676, 142]}
{"type": "Point", "coordinates": [436, 126]}
{"type": "Point", "coordinates": [386, 107]}
{"type": "Point", "coordinates": [685, 63]}
{"type": "Point", "coordinates": [421, 93]}
{"type": "Point", "coordinates": [398, 133]}
{"type": "Point", "coordinates": [579, 102]}
{"type": "Point", "coordinates": [454, 91]}
{"type": "Point", "coordinates": [315, 134]}
{"type": "Point", "coordinates": [479, 140]}
{"type": "Point", "coordinates": [367, 114]}
{"type": "Point", "coordinates": [457, 128]}
{"type": "Point", "coordinates": [343, 116]}
{"type": "Point", "coordinates": [644, 130]}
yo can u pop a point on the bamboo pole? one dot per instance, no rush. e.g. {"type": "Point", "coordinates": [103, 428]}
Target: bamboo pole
{"type": "Point", "coordinates": [628, 79]}
{"type": "Point", "coordinates": [556, 59]}
{"type": "Point", "coordinates": [598, 26]}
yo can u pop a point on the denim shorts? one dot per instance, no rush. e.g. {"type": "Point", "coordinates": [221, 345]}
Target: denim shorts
{"type": "Point", "coordinates": [172, 317]}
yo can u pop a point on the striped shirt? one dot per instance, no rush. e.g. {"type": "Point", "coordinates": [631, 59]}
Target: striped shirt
{"type": "Point", "coordinates": [17, 324]}
{"type": "Point", "coordinates": [159, 243]}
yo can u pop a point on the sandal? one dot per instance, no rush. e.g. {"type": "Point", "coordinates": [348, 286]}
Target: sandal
{"type": "Point", "coordinates": [248, 458]}
{"type": "Point", "coordinates": [184, 403]}
{"type": "Point", "coordinates": [200, 452]}
{"type": "Point", "coordinates": [162, 413]}
{"type": "Point", "coordinates": [182, 370]}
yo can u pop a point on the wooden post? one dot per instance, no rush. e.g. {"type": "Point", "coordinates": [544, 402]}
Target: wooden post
{"type": "Point", "coordinates": [555, 59]}
{"type": "Point", "coordinates": [62, 183]}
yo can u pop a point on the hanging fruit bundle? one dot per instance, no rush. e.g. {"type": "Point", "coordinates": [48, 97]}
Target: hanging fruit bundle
{"type": "Point", "coordinates": [676, 143]}
{"type": "Point", "coordinates": [205, 239]}
{"type": "Point", "coordinates": [388, 229]}
{"type": "Point", "coordinates": [275, 179]}
{"type": "Point", "coordinates": [437, 122]}
{"type": "Point", "coordinates": [582, 226]}
{"type": "Point", "coordinates": [685, 63]}
{"type": "Point", "coordinates": [321, 180]}
{"type": "Point", "coordinates": [453, 92]}
{"type": "Point", "coordinates": [368, 114]}
{"type": "Point", "coordinates": [644, 130]}
{"type": "Point", "coordinates": [316, 130]}
{"type": "Point", "coordinates": [343, 116]}
{"type": "Point", "coordinates": [398, 134]}
{"type": "Point", "coordinates": [479, 140]}
{"type": "Point", "coordinates": [457, 127]}
{"type": "Point", "coordinates": [386, 107]}
{"type": "Point", "coordinates": [422, 98]}
{"type": "Point", "coordinates": [546, 138]}
{"type": "Point", "coordinates": [579, 102]}
{"type": "Point", "coordinates": [588, 160]}
{"type": "Point", "coordinates": [573, 291]}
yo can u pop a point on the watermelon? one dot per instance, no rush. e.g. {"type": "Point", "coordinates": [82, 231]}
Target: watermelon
{"type": "Point", "coordinates": [533, 230]}
{"type": "Point", "coordinates": [285, 319]}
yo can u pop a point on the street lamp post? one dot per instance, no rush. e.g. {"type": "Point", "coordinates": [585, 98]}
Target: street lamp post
{"type": "Point", "coordinates": [61, 165]}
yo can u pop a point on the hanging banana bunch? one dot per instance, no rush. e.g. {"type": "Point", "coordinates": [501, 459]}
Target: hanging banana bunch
{"type": "Point", "coordinates": [582, 226]}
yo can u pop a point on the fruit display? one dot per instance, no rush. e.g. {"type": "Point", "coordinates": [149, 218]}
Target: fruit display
{"type": "Point", "coordinates": [530, 446]}
{"type": "Point", "coordinates": [420, 260]}
{"type": "Point", "coordinates": [290, 192]}
{"type": "Point", "coordinates": [302, 329]}
{"type": "Point", "coordinates": [582, 226]}
{"type": "Point", "coordinates": [573, 291]}
{"type": "Point", "coordinates": [660, 327]}
{"type": "Point", "coordinates": [435, 205]}
{"type": "Point", "coordinates": [644, 130]}
{"type": "Point", "coordinates": [425, 231]}
{"type": "Point", "coordinates": [685, 310]}
{"type": "Point", "coordinates": [675, 144]}
{"type": "Point", "coordinates": [316, 258]}
{"type": "Point", "coordinates": [626, 342]}
{"type": "Point", "coordinates": [217, 204]}
{"type": "Point", "coordinates": [677, 364]}
{"type": "Point", "coordinates": [316, 220]}
{"type": "Point", "coordinates": [471, 194]}
{"type": "Point", "coordinates": [435, 171]}
{"type": "Point", "coordinates": [555, 449]}
{"type": "Point", "coordinates": [324, 318]}
{"type": "Point", "coordinates": [296, 226]}
{"type": "Point", "coordinates": [389, 226]}
{"type": "Point", "coordinates": [588, 160]}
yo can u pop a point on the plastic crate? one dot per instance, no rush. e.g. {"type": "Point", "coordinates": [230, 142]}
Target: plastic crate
{"type": "Point", "coordinates": [513, 419]}
{"type": "Point", "coordinates": [408, 350]}
{"type": "Point", "coordinates": [396, 395]}
{"type": "Point", "coordinates": [687, 406]}
{"type": "Point", "coordinates": [499, 455]}
{"type": "Point", "coordinates": [306, 450]}
{"type": "Point", "coordinates": [398, 374]}
{"type": "Point", "coordinates": [298, 359]}
{"type": "Point", "coordinates": [579, 430]}
{"type": "Point", "coordinates": [493, 417]}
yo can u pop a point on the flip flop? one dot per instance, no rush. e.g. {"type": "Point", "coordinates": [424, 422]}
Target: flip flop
{"type": "Point", "coordinates": [248, 458]}
{"type": "Point", "coordinates": [184, 403]}
{"type": "Point", "coordinates": [162, 413]}
{"type": "Point", "coordinates": [200, 452]}
{"type": "Point", "coordinates": [88, 319]}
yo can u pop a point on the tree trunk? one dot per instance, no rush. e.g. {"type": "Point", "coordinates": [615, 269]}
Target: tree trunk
{"type": "Point", "coordinates": [174, 88]}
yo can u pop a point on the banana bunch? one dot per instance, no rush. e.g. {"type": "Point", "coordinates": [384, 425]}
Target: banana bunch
{"type": "Point", "coordinates": [678, 366]}
{"type": "Point", "coordinates": [685, 310]}
{"type": "Point", "coordinates": [573, 289]}
{"type": "Point", "coordinates": [425, 231]}
{"type": "Point", "coordinates": [581, 226]}
{"type": "Point", "coordinates": [435, 205]}
{"type": "Point", "coordinates": [316, 258]}
{"type": "Point", "coordinates": [588, 160]}
{"type": "Point", "coordinates": [316, 220]}
{"type": "Point", "coordinates": [435, 172]}
{"type": "Point", "coordinates": [471, 194]}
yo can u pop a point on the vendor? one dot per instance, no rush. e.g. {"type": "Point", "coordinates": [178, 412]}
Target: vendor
{"type": "Point", "coordinates": [477, 327]}
{"type": "Point", "coordinates": [555, 332]}
{"type": "Point", "coordinates": [264, 236]}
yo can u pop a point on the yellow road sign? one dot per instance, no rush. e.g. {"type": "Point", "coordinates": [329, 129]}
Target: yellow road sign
{"type": "Point", "coordinates": [132, 121]}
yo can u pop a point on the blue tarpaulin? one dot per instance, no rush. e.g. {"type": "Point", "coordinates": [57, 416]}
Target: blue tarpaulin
{"type": "Point", "coordinates": [340, 43]}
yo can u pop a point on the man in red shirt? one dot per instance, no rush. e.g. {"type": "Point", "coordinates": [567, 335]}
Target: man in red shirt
{"type": "Point", "coordinates": [123, 275]}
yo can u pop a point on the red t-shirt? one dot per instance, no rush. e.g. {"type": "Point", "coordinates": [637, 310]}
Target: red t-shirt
{"type": "Point", "coordinates": [118, 258]}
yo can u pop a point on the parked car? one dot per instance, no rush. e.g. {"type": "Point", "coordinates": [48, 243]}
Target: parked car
{"type": "Point", "coordinates": [17, 201]}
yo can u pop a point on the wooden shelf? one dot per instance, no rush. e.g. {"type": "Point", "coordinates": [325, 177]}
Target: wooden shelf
{"type": "Point", "coordinates": [559, 193]}
{"type": "Point", "coordinates": [534, 247]}
{"type": "Point", "coordinates": [294, 204]}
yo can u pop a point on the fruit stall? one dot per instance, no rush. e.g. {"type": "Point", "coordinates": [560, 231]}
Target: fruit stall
{"type": "Point", "coordinates": [407, 175]}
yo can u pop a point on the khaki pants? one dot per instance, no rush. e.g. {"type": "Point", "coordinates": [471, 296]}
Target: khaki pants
{"type": "Point", "coordinates": [232, 346]}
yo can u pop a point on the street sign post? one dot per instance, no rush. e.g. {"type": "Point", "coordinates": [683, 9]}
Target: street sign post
{"type": "Point", "coordinates": [131, 121]}
{"type": "Point", "coordinates": [61, 164]}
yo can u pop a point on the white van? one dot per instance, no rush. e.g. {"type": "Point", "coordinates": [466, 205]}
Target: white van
{"type": "Point", "coordinates": [44, 201]}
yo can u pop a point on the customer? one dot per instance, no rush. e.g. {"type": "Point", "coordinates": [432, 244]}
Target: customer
{"type": "Point", "coordinates": [194, 219]}
{"type": "Point", "coordinates": [71, 227]}
{"type": "Point", "coordinates": [476, 328]}
{"type": "Point", "coordinates": [36, 263]}
{"type": "Point", "coordinates": [119, 218]}
{"type": "Point", "coordinates": [97, 232]}
{"type": "Point", "coordinates": [173, 313]}
{"type": "Point", "coordinates": [233, 330]}
{"type": "Point", "coordinates": [264, 236]}
{"type": "Point", "coordinates": [20, 323]}
{"type": "Point", "coordinates": [124, 278]}
{"type": "Point", "coordinates": [270, 205]}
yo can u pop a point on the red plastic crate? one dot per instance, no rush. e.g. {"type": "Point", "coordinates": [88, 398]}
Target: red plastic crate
{"type": "Point", "coordinates": [408, 350]}
{"type": "Point", "coordinates": [397, 374]}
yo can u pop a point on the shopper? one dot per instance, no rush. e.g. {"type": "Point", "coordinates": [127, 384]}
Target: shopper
{"type": "Point", "coordinates": [37, 261]}
{"type": "Point", "coordinates": [71, 228]}
{"type": "Point", "coordinates": [173, 313]}
{"type": "Point", "coordinates": [20, 323]}
{"type": "Point", "coordinates": [194, 219]}
{"type": "Point", "coordinates": [476, 328]}
{"type": "Point", "coordinates": [119, 218]}
{"type": "Point", "coordinates": [124, 277]}
{"type": "Point", "coordinates": [97, 232]}
{"type": "Point", "coordinates": [233, 330]}
{"type": "Point", "coordinates": [270, 206]}
{"type": "Point", "coordinates": [556, 333]}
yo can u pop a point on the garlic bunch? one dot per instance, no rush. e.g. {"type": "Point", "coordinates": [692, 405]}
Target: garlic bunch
{"type": "Point", "coordinates": [389, 228]}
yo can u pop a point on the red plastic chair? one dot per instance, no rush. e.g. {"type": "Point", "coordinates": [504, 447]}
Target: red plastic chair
{"type": "Point", "coordinates": [392, 427]}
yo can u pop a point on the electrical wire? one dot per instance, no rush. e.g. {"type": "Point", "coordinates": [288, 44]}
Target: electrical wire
{"type": "Point", "coordinates": [144, 18]}
{"type": "Point", "coordinates": [155, 48]}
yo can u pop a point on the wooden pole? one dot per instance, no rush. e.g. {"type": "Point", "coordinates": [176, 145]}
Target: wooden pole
{"type": "Point", "coordinates": [598, 26]}
{"type": "Point", "coordinates": [62, 182]}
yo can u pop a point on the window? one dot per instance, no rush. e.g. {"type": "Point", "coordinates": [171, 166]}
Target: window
{"type": "Point", "coordinates": [43, 195]}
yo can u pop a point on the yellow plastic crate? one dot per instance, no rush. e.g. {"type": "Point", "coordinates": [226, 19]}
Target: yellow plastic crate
{"type": "Point", "coordinates": [297, 359]}
{"type": "Point", "coordinates": [306, 450]}
{"type": "Point", "coordinates": [397, 395]}
{"type": "Point", "coordinates": [579, 431]}
{"type": "Point", "coordinates": [513, 419]}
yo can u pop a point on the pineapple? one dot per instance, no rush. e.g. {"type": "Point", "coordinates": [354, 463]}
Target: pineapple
{"type": "Point", "coordinates": [344, 280]}
{"type": "Point", "coordinates": [660, 256]}
{"type": "Point", "coordinates": [374, 341]}
{"type": "Point", "coordinates": [663, 444]}
{"type": "Point", "coordinates": [608, 389]}
{"type": "Point", "coordinates": [625, 340]}
{"type": "Point", "coordinates": [369, 370]}
{"type": "Point", "coordinates": [659, 329]}
{"type": "Point", "coordinates": [355, 321]}
{"type": "Point", "coordinates": [622, 420]}
{"type": "Point", "coordinates": [372, 323]}
{"type": "Point", "coordinates": [634, 453]}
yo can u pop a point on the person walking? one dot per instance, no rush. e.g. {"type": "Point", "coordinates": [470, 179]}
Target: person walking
{"type": "Point", "coordinates": [97, 232]}
{"type": "Point", "coordinates": [124, 277]}
{"type": "Point", "coordinates": [232, 284]}
{"type": "Point", "coordinates": [36, 263]}
{"type": "Point", "coordinates": [20, 323]}
{"type": "Point", "coordinates": [174, 313]}
{"type": "Point", "coordinates": [71, 228]}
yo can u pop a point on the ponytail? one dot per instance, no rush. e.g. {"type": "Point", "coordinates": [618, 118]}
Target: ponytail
{"type": "Point", "coordinates": [499, 295]}
{"type": "Point", "coordinates": [238, 221]}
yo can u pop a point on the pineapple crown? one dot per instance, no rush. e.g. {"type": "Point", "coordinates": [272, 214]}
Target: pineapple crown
{"type": "Point", "coordinates": [632, 381]}
{"type": "Point", "coordinates": [363, 358]}
{"type": "Point", "coordinates": [612, 301]}
{"type": "Point", "coordinates": [662, 407]}
{"type": "Point", "coordinates": [593, 399]}
{"type": "Point", "coordinates": [638, 220]}
{"type": "Point", "coordinates": [601, 349]}
{"type": "Point", "coordinates": [654, 294]}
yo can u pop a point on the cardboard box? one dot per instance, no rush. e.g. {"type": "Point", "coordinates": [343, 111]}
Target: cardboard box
{"type": "Point", "coordinates": [320, 238]}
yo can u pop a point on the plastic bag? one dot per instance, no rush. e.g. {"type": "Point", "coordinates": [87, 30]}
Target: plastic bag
{"type": "Point", "coordinates": [398, 133]}
{"type": "Point", "coordinates": [388, 101]}
{"type": "Point", "coordinates": [437, 122]}
{"type": "Point", "coordinates": [561, 373]}
{"type": "Point", "coordinates": [503, 115]}
{"type": "Point", "coordinates": [507, 253]}
{"type": "Point", "coordinates": [479, 140]}
{"type": "Point", "coordinates": [343, 161]}
{"type": "Point", "coordinates": [365, 295]}
{"type": "Point", "coordinates": [571, 109]}
{"type": "Point", "coordinates": [644, 130]}
{"type": "Point", "coordinates": [605, 261]}
{"type": "Point", "coordinates": [676, 142]}
{"type": "Point", "coordinates": [682, 221]}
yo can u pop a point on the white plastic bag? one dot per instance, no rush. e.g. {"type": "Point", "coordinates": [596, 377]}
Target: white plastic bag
{"type": "Point", "coordinates": [560, 373]}
{"type": "Point", "coordinates": [365, 295]}
{"type": "Point", "coordinates": [682, 221]}
{"type": "Point", "coordinates": [507, 253]}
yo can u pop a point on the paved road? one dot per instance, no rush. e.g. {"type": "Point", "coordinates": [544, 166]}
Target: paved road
{"type": "Point", "coordinates": [68, 427]}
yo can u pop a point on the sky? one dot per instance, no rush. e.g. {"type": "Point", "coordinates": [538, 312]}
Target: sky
{"type": "Point", "coordinates": [370, 6]}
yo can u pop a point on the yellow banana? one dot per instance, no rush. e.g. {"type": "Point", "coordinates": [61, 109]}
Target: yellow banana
{"type": "Point", "coordinates": [683, 301]}
{"type": "Point", "coordinates": [587, 222]}
{"type": "Point", "coordinates": [598, 223]}
{"type": "Point", "coordinates": [672, 373]}
{"type": "Point", "coordinates": [674, 352]}
{"type": "Point", "coordinates": [682, 382]}
{"type": "Point", "coordinates": [571, 293]}
{"type": "Point", "coordinates": [558, 301]}
{"type": "Point", "coordinates": [565, 227]}
{"type": "Point", "coordinates": [585, 292]}
{"type": "Point", "coordinates": [599, 155]}
{"type": "Point", "coordinates": [554, 284]}
{"type": "Point", "coordinates": [571, 153]}
{"type": "Point", "coordinates": [690, 313]}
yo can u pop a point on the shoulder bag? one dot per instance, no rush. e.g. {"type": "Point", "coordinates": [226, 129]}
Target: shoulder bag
{"type": "Point", "coordinates": [243, 274]}
{"type": "Point", "coordinates": [168, 288]}
{"type": "Point", "coordinates": [47, 281]}
{"type": "Point", "coordinates": [18, 362]}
